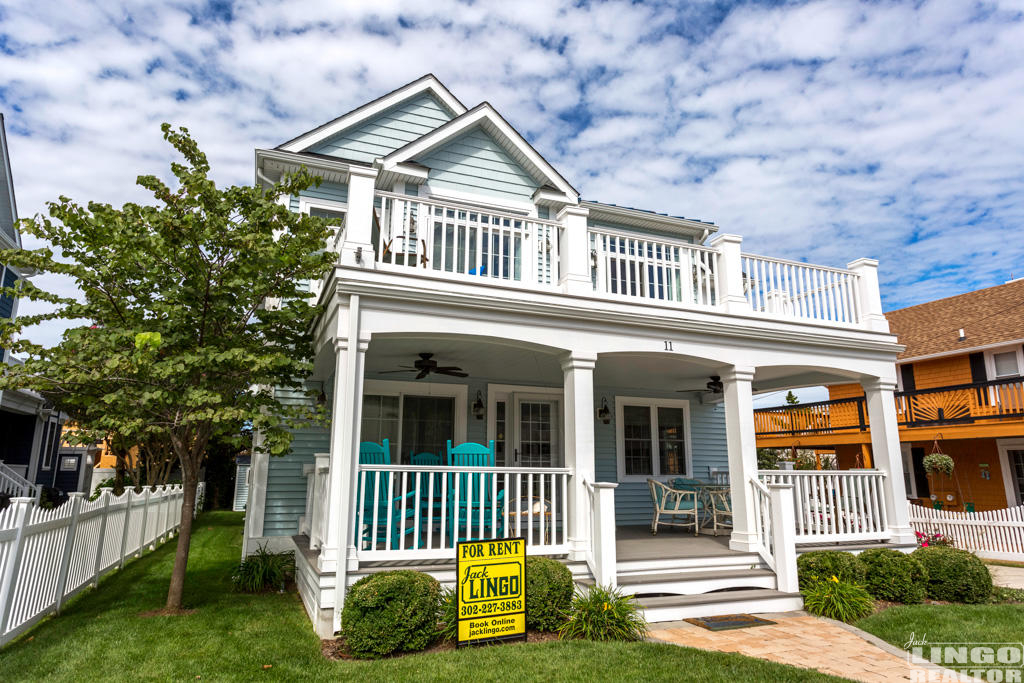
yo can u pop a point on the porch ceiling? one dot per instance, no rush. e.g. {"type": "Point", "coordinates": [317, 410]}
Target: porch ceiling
{"type": "Point", "coordinates": [481, 359]}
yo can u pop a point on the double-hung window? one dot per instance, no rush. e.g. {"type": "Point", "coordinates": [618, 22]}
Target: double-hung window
{"type": "Point", "coordinates": [414, 417]}
{"type": "Point", "coordinates": [653, 438]}
{"type": "Point", "coordinates": [1006, 362]}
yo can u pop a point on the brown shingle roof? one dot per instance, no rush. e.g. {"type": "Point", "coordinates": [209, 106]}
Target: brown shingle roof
{"type": "Point", "coordinates": [988, 316]}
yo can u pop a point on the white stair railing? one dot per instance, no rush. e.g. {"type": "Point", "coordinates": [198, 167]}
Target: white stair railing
{"type": "Point", "coordinates": [15, 485]}
{"type": "Point", "coordinates": [601, 554]}
{"type": "Point", "coordinates": [835, 505]}
{"type": "Point", "coordinates": [773, 528]}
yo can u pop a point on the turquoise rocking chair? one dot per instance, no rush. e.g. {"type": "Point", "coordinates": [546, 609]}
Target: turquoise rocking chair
{"type": "Point", "coordinates": [475, 498]}
{"type": "Point", "coordinates": [371, 453]}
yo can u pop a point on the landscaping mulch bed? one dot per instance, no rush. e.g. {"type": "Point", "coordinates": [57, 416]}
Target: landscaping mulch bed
{"type": "Point", "coordinates": [335, 648]}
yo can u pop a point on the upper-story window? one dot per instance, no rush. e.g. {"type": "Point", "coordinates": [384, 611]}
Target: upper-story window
{"type": "Point", "coordinates": [1005, 362]}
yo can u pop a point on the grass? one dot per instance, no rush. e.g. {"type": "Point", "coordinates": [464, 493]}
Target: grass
{"type": "Point", "coordinates": [232, 636]}
{"type": "Point", "coordinates": [947, 623]}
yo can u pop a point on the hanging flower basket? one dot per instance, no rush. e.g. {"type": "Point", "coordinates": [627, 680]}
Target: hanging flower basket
{"type": "Point", "coordinates": [938, 463]}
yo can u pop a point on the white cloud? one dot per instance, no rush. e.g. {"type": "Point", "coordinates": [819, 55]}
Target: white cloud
{"type": "Point", "coordinates": [825, 131]}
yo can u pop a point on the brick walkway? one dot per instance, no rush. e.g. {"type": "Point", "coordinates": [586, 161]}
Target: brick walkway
{"type": "Point", "coordinates": [799, 640]}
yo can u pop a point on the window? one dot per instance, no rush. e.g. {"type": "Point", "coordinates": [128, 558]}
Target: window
{"type": "Point", "coordinates": [415, 417]}
{"type": "Point", "coordinates": [1005, 362]}
{"type": "Point", "coordinates": [428, 422]}
{"type": "Point", "coordinates": [653, 438]}
{"type": "Point", "coordinates": [49, 444]}
{"type": "Point", "coordinates": [380, 421]}
{"type": "Point", "coordinates": [69, 463]}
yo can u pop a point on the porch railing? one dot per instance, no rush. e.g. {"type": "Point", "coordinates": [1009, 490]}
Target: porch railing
{"type": "Point", "coordinates": [773, 528]}
{"type": "Point", "coordinates": [601, 554]}
{"type": "Point", "coordinates": [800, 290]}
{"type": "Point", "coordinates": [835, 505]}
{"type": "Point", "coordinates": [655, 269]}
{"type": "Point", "coordinates": [762, 505]}
{"type": "Point", "coordinates": [822, 417]}
{"type": "Point", "coordinates": [421, 512]}
{"type": "Point", "coordinates": [15, 485]}
{"type": "Point", "coordinates": [460, 240]}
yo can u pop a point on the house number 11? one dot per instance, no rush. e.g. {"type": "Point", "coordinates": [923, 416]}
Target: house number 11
{"type": "Point", "coordinates": [668, 345]}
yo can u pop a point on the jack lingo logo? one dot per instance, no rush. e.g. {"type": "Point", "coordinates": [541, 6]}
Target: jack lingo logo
{"type": "Point", "coordinates": [993, 662]}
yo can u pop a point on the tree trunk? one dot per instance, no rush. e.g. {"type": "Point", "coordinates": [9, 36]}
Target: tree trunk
{"type": "Point", "coordinates": [190, 480]}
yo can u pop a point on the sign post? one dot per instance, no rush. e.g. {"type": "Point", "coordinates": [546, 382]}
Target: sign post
{"type": "Point", "coordinates": [491, 591]}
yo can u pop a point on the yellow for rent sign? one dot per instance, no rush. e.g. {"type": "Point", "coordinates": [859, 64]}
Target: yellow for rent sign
{"type": "Point", "coordinates": [491, 591]}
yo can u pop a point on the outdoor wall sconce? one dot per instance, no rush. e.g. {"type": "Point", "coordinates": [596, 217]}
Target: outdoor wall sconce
{"type": "Point", "coordinates": [478, 406]}
{"type": "Point", "coordinates": [604, 414]}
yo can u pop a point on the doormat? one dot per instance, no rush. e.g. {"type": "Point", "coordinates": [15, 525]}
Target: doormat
{"type": "Point", "coordinates": [728, 622]}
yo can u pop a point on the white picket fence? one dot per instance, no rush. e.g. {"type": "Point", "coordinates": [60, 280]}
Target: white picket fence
{"type": "Point", "coordinates": [994, 534]}
{"type": "Point", "coordinates": [47, 556]}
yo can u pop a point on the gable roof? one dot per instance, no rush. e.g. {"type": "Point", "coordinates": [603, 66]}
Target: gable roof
{"type": "Point", "coordinates": [487, 118]}
{"type": "Point", "coordinates": [8, 207]}
{"type": "Point", "coordinates": [426, 84]}
{"type": "Point", "coordinates": [989, 317]}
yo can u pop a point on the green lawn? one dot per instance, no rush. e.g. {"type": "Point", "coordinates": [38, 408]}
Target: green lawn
{"type": "Point", "coordinates": [232, 636]}
{"type": "Point", "coordinates": [948, 623]}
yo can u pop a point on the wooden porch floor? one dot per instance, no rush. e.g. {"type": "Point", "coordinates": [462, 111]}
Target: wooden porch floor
{"type": "Point", "coordinates": [637, 543]}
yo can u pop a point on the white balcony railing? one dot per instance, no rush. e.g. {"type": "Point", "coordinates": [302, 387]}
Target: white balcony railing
{"type": "Point", "coordinates": [654, 269]}
{"type": "Point", "coordinates": [835, 505]}
{"type": "Point", "coordinates": [453, 239]}
{"type": "Point", "coordinates": [421, 512]}
{"type": "Point", "coordinates": [799, 290]}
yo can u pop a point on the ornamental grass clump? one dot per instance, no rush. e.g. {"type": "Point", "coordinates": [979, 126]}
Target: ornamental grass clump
{"type": "Point", "coordinates": [603, 614]}
{"type": "Point", "coordinates": [264, 571]}
{"type": "Point", "coordinates": [838, 599]}
{"type": "Point", "coordinates": [894, 576]}
{"type": "Point", "coordinates": [548, 593]}
{"type": "Point", "coordinates": [389, 612]}
{"type": "Point", "coordinates": [955, 575]}
{"type": "Point", "coordinates": [448, 616]}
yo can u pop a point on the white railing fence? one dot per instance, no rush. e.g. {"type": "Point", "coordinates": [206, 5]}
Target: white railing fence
{"type": "Point", "coordinates": [642, 267]}
{"type": "Point", "coordinates": [774, 530]}
{"type": "Point", "coordinates": [47, 556]}
{"type": "Point", "coordinates": [601, 554]}
{"type": "Point", "coordinates": [15, 485]}
{"type": "Point", "coordinates": [319, 483]}
{"type": "Point", "coordinates": [994, 534]}
{"type": "Point", "coordinates": [421, 512]}
{"type": "Point", "coordinates": [761, 502]}
{"type": "Point", "coordinates": [799, 290]}
{"type": "Point", "coordinates": [450, 239]}
{"type": "Point", "coordinates": [835, 505]}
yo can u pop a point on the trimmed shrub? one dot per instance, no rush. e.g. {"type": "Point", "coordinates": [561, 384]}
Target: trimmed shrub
{"type": "Point", "coordinates": [603, 614]}
{"type": "Point", "coordinates": [548, 593]}
{"type": "Point", "coordinates": [264, 571]}
{"type": "Point", "coordinates": [955, 575]}
{"type": "Point", "coordinates": [894, 576]}
{"type": "Point", "coordinates": [837, 599]}
{"type": "Point", "coordinates": [388, 612]}
{"type": "Point", "coordinates": [821, 565]}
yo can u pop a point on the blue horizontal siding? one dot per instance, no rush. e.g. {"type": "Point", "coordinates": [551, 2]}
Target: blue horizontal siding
{"type": "Point", "coordinates": [474, 162]}
{"type": "Point", "coordinates": [387, 131]}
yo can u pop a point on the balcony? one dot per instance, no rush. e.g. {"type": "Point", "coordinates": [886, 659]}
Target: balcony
{"type": "Point", "coordinates": [480, 245]}
{"type": "Point", "coordinates": [981, 403]}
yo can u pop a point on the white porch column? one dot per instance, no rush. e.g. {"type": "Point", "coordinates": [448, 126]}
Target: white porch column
{"type": "Point", "coordinates": [871, 315]}
{"type": "Point", "coordinates": [742, 444]}
{"type": "Point", "coordinates": [578, 373]}
{"type": "Point", "coordinates": [887, 456]}
{"type": "Point", "coordinates": [575, 251]}
{"type": "Point", "coordinates": [357, 247]}
{"type": "Point", "coordinates": [730, 273]}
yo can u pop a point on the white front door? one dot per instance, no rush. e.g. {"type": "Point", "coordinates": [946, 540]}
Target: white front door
{"type": "Point", "coordinates": [535, 431]}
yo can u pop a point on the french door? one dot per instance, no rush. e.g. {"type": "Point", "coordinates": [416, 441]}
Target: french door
{"type": "Point", "coordinates": [535, 441]}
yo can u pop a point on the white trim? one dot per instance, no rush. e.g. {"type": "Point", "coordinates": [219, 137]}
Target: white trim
{"type": "Point", "coordinates": [509, 393]}
{"type": "Point", "coordinates": [492, 122]}
{"type": "Point", "coordinates": [307, 203]}
{"type": "Point", "coordinates": [908, 469]}
{"type": "Point", "coordinates": [990, 360]}
{"type": "Point", "coordinates": [1005, 446]}
{"type": "Point", "coordinates": [477, 201]}
{"type": "Point", "coordinates": [620, 437]}
{"type": "Point", "coordinates": [428, 83]}
{"type": "Point", "coordinates": [401, 388]}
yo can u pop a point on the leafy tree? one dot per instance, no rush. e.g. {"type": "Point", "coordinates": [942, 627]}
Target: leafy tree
{"type": "Point", "coordinates": [179, 340]}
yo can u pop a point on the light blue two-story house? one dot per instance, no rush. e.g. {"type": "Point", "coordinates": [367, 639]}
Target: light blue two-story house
{"type": "Point", "coordinates": [504, 358]}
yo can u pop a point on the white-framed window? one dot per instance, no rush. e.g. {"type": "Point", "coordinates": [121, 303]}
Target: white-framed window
{"type": "Point", "coordinates": [525, 423]}
{"type": "Point", "coordinates": [415, 417]}
{"type": "Point", "coordinates": [1005, 362]}
{"type": "Point", "coordinates": [652, 438]}
{"type": "Point", "coordinates": [68, 463]}
{"type": "Point", "coordinates": [49, 444]}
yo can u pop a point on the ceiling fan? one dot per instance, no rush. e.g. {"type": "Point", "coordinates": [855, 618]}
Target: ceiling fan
{"type": "Point", "coordinates": [714, 386]}
{"type": "Point", "coordinates": [426, 365]}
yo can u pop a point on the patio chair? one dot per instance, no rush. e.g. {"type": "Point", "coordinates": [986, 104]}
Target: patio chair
{"type": "Point", "coordinates": [475, 492]}
{"type": "Point", "coordinates": [371, 453]}
{"type": "Point", "coordinates": [429, 482]}
{"type": "Point", "coordinates": [674, 504]}
{"type": "Point", "coordinates": [720, 504]}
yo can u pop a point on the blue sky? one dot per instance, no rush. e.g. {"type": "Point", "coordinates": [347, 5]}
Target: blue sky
{"type": "Point", "coordinates": [820, 131]}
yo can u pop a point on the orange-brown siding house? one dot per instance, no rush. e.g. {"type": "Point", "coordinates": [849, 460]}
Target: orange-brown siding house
{"type": "Point", "coordinates": [960, 391]}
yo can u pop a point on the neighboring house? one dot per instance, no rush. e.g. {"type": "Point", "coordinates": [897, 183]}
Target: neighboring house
{"type": "Point", "coordinates": [477, 298]}
{"type": "Point", "coordinates": [29, 429]}
{"type": "Point", "coordinates": [959, 384]}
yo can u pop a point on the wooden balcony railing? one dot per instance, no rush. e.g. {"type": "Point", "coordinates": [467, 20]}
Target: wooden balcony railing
{"type": "Point", "coordinates": [994, 400]}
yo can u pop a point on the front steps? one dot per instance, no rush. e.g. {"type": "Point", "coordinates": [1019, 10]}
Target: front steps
{"type": "Point", "coordinates": [676, 607]}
